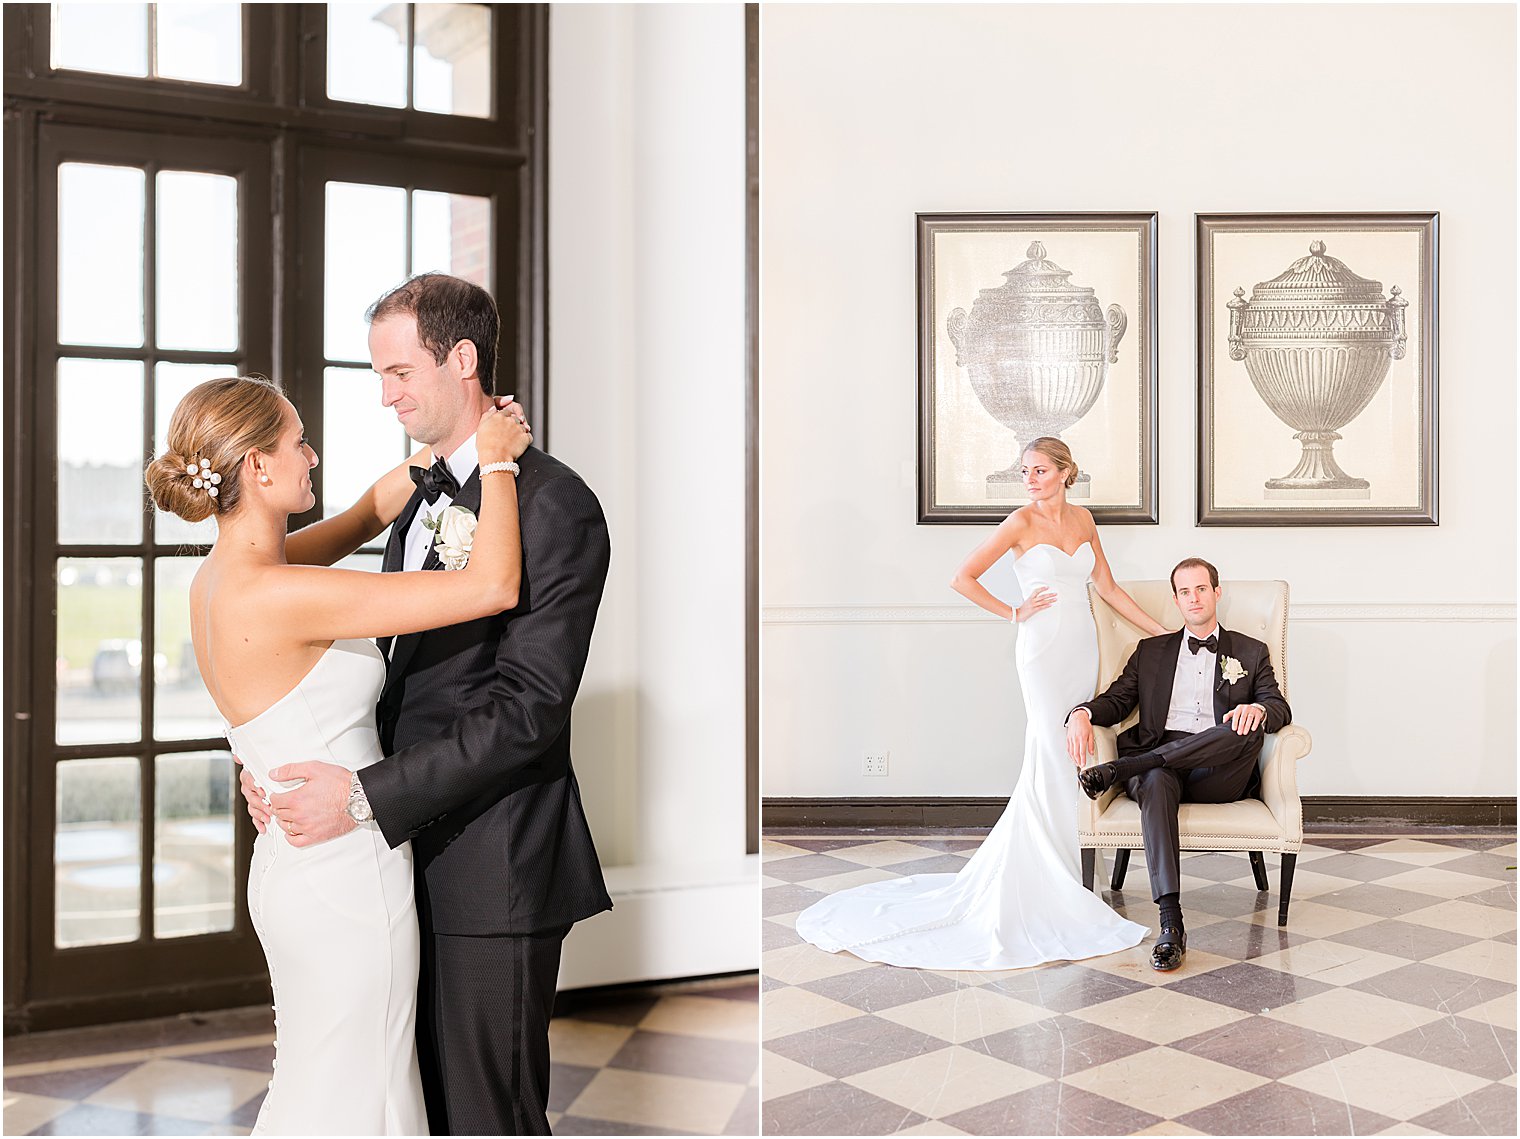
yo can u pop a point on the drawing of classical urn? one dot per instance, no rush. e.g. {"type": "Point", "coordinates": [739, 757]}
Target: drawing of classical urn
{"type": "Point", "coordinates": [1037, 349]}
{"type": "Point", "coordinates": [1317, 342]}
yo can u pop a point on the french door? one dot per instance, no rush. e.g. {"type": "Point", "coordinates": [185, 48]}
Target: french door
{"type": "Point", "coordinates": [198, 191]}
{"type": "Point", "coordinates": [133, 806]}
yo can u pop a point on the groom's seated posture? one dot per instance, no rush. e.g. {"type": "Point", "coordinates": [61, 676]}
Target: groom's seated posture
{"type": "Point", "coordinates": [1207, 697]}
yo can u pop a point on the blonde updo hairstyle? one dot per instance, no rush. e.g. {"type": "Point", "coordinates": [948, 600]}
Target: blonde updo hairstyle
{"type": "Point", "coordinates": [1058, 453]}
{"type": "Point", "coordinates": [218, 421]}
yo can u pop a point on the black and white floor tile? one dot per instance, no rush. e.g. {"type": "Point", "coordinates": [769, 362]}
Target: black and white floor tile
{"type": "Point", "coordinates": [1387, 1004]}
{"type": "Point", "coordinates": [677, 1059]}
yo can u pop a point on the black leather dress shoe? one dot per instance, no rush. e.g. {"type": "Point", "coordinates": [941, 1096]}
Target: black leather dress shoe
{"type": "Point", "coordinates": [1096, 779]}
{"type": "Point", "coordinates": [1169, 950]}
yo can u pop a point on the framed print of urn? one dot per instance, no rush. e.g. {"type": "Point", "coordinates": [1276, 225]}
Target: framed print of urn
{"type": "Point", "coordinates": [1317, 369]}
{"type": "Point", "coordinates": [1031, 325]}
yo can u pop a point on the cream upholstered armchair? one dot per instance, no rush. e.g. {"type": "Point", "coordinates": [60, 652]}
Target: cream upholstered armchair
{"type": "Point", "coordinates": [1275, 822]}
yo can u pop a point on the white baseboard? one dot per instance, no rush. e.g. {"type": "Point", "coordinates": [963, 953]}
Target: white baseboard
{"type": "Point", "coordinates": [668, 922]}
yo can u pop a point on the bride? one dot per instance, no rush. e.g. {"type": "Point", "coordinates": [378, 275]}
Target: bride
{"type": "Point", "coordinates": [283, 644]}
{"type": "Point", "coordinates": [1019, 900]}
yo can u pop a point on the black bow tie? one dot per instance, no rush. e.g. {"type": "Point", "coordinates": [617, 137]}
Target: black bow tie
{"type": "Point", "coordinates": [1212, 644]}
{"type": "Point", "coordinates": [435, 480]}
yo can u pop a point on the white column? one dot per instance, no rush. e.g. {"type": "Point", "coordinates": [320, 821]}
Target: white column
{"type": "Point", "coordinates": [646, 248]}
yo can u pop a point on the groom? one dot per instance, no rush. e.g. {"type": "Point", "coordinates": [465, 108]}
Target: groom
{"type": "Point", "coordinates": [1207, 698]}
{"type": "Point", "coordinates": [475, 723]}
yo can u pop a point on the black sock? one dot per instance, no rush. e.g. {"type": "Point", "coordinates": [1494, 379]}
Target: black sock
{"type": "Point", "coordinates": [1171, 910]}
{"type": "Point", "coordinates": [1130, 766]}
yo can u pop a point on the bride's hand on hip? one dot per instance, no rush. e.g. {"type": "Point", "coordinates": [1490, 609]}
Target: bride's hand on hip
{"type": "Point", "coordinates": [501, 436]}
{"type": "Point", "coordinates": [1040, 598]}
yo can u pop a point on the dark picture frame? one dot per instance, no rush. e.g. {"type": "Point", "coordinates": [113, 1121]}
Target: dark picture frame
{"type": "Point", "coordinates": [1066, 345]}
{"type": "Point", "coordinates": [1317, 340]}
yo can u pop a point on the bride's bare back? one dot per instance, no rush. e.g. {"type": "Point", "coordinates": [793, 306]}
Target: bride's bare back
{"type": "Point", "coordinates": [248, 660]}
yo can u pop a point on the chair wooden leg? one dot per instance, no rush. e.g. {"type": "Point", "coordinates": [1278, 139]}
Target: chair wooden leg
{"type": "Point", "coordinates": [1089, 866]}
{"type": "Point", "coordinates": [1285, 891]}
{"type": "Point", "coordinates": [1259, 869]}
{"type": "Point", "coordinates": [1121, 867]}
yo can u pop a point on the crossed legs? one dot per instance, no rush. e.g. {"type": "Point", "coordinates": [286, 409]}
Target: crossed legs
{"type": "Point", "coordinates": [1212, 766]}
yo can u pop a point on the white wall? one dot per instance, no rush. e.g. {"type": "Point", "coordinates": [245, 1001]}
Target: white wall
{"type": "Point", "coordinates": [1402, 647]}
{"type": "Point", "coordinates": [646, 280]}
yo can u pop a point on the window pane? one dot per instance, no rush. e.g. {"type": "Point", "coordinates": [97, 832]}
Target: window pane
{"type": "Point", "coordinates": [182, 708]}
{"type": "Point", "coordinates": [193, 862]}
{"type": "Point", "coordinates": [100, 254]}
{"type": "Point", "coordinates": [97, 852]}
{"type": "Point", "coordinates": [452, 59]}
{"type": "Point", "coordinates": [363, 439]}
{"type": "Point", "coordinates": [100, 459]}
{"type": "Point", "coordinates": [197, 267]}
{"type": "Point", "coordinates": [201, 42]}
{"type": "Point", "coordinates": [171, 382]}
{"type": "Point", "coordinates": [101, 37]}
{"type": "Point", "coordinates": [452, 233]}
{"type": "Point", "coordinates": [100, 663]}
{"type": "Point", "coordinates": [366, 255]}
{"type": "Point", "coordinates": [366, 53]}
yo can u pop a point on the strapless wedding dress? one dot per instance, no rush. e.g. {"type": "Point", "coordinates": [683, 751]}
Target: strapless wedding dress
{"type": "Point", "coordinates": [1019, 900]}
{"type": "Point", "coordinates": [337, 923]}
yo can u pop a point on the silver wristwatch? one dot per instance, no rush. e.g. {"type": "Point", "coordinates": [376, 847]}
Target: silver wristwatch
{"type": "Point", "coordinates": [358, 802]}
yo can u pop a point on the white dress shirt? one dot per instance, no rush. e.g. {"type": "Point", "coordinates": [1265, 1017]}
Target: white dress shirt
{"type": "Point", "coordinates": [419, 539]}
{"type": "Point", "coordinates": [1192, 706]}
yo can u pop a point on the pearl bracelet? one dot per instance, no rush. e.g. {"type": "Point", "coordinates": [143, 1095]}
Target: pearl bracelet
{"type": "Point", "coordinates": [492, 468]}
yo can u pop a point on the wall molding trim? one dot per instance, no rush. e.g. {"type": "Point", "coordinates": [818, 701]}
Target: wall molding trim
{"type": "Point", "coordinates": [969, 614]}
{"type": "Point", "coordinates": [1329, 811]}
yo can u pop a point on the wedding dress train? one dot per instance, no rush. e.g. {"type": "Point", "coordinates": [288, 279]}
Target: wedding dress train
{"type": "Point", "coordinates": [1019, 900]}
{"type": "Point", "coordinates": [337, 923]}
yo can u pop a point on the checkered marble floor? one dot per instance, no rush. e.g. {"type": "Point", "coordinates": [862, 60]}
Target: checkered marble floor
{"type": "Point", "coordinates": [1386, 1006]}
{"type": "Point", "coordinates": [674, 1059]}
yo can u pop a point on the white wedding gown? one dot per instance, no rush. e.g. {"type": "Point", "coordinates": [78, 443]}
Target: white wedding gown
{"type": "Point", "coordinates": [337, 923]}
{"type": "Point", "coordinates": [1019, 900]}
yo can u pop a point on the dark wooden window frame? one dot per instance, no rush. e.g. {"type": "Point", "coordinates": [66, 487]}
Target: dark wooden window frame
{"type": "Point", "coordinates": [276, 132]}
{"type": "Point", "coordinates": [752, 428]}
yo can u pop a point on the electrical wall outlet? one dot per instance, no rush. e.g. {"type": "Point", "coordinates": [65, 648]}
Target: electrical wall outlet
{"type": "Point", "coordinates": [875, 763]}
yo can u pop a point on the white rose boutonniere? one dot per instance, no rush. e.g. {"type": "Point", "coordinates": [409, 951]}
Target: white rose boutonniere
{"type": "Point", "coordinates": [455, 530]}
{"type": "Point", "coordinates": [1231, 670]}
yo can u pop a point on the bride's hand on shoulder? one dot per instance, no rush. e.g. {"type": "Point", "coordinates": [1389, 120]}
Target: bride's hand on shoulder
{"type": "Point", "coordinates": [501, 437]}
{"type": "Point", "coordinates": [508, 405]}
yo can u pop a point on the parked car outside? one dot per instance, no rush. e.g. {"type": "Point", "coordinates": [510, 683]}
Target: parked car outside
{"type": "Point", "coordinates": [117, 668]}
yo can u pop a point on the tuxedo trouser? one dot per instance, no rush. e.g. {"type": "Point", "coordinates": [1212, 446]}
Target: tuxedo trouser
{"type": "Point", "coordinates": [483, 1009]}
{"type": "Point", "coordinates": [1211, 766]}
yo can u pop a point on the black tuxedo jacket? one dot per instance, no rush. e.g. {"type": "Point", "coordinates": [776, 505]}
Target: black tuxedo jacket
{"type": "Point", "coordinates": [1146, 683]}
{"type": "Point", "coordinates": [475, 722]}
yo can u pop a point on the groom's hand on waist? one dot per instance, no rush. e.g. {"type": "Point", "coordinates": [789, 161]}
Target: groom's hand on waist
{"type": "Point", "coordinates": [318, 809]}
{"type": "Point", "coordinates": [258, 802]}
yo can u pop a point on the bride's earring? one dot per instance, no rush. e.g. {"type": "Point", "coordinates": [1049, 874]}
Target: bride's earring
{"type": "Point", "coordinates": [266, 480]}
